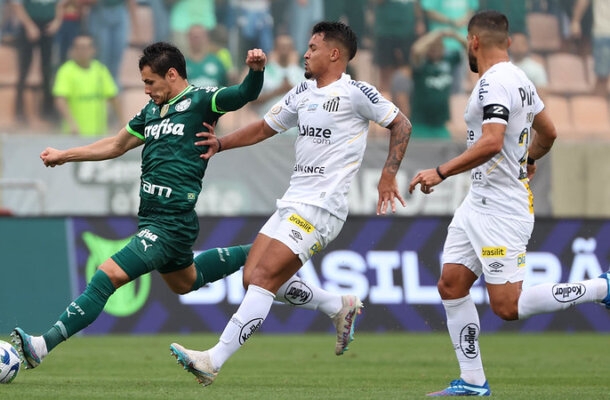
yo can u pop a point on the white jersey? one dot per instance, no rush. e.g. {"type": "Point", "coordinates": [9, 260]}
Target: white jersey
{"type": "Point", "coordinates": [506, 96]}
{"type": "Point", "coordinates": [333, 126]}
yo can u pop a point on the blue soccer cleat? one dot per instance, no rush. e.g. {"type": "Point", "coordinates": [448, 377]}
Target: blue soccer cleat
{"type": "Point", "coordinates": [32, 349]}
{"type": "Point", "coordinates": [460, 388]}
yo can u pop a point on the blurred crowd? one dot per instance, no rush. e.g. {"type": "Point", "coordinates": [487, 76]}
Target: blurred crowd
{"type": "Point", "coordinates": [67, 58]}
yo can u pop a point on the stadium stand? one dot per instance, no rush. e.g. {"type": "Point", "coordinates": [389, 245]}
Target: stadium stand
{"type": "Point", "coordinates": [590, 116]}
{"type": "Point", "coordinates": [567, 74]}
{"type": "Point", "coordinates": [559, 110]}
{"type": "Point", "coordinates": [545, 36]}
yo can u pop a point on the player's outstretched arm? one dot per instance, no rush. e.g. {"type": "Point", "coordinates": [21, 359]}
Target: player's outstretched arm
{"type": "Point", "coordinates": [234, 97]}
{"type": "Point", "coordinates": [103, 149]}
{"type": "Point", "coordinates": [400, 133]}
{"type": "Point", "coordinates": [246, 136]}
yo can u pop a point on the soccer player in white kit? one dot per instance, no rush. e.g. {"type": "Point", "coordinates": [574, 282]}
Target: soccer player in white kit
{"type": "Point", "coordinates": [490, 230]}
{"type": "Point", "coordinates": [332, 113]}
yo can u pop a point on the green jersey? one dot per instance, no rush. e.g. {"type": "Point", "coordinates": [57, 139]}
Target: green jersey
{"type": "Point", "coordinates": [172, 170]}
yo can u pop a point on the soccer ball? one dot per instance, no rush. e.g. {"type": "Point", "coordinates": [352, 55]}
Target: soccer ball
{"type": "Point", "coordinates": [9, 362]}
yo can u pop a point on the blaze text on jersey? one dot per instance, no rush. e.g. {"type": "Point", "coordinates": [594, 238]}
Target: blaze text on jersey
{"type": "Point", "coordinates": [319, 135]}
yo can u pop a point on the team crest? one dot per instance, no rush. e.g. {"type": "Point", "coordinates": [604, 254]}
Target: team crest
{"type": "Point", "coordinates": [183, 105]}
{"type": "Point", "coordinates": [164, 110]}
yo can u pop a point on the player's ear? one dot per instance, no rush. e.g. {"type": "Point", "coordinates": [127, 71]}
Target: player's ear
{"type": "Point", "coordinates": [335, 54]}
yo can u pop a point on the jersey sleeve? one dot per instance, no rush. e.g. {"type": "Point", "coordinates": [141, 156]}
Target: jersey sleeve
{"type": "Point", "coordinates": [495, 100]}
{"type": "Point", "coordinates": [137, 124]}
{"type": "Point", "coordinates": [371, 105]}
{"type": "Point", "coordinates": [283, 115]}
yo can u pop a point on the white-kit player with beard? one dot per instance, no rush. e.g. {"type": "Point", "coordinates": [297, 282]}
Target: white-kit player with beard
{"type": "Point", "coordinates": [332, 113]}
{"type": "Point", "coordinates": [490, 230]}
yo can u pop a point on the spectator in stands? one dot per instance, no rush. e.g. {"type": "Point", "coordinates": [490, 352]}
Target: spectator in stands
{"type": "Point", "coordinates": [203, 67]}
{"type": "Point", "coordinates": [186, 13]}
{"type": "Point", "coordinates": [303, 15]}
{"type": "Point", "coordinates": [282, 73]}
{"type": "Point", "coordinates": [601, 39]}
{"type": "Point", "coordinates": [83, 87]}
{"type": "Point", "coordinates": [109, 24]}
{"type": "Point", "coordinates": [397, 25]}
{"type": "Point", "coordinates": [255, 24]}
{"type": "Point", "coordinates": [430, 91]}
{"type": "Point", "coordinates": [454, 15]}
{"type": "Point", "coordinates": [352, 12]}
{"type": "Point", "coordinates": [39, 22]}
{"type": "Point", "coordinates": [70, 28]}
{"type": "Point", "coordinates": [519, 51]}
{"type": "Point", "coordinates": [219, 40]}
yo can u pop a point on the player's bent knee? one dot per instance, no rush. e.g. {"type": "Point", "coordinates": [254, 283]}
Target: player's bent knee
{"type": "Point", "coordinates": [505, 311]}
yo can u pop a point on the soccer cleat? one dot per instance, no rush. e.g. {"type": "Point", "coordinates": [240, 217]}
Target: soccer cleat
{"type": "Point", "coordinates": [606, 300]}
{"type": "Point", "coordinates": [197, 363]}
{"type": "Point", "coordinates": [344, 322]}
{"type": "Point", "coordinates": [460, 388]}
{"type": "Point", "coordinates": [32, 349]}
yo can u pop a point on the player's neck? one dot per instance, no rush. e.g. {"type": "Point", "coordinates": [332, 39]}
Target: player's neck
{"type": "Point", "coordinates": [328, 78]}
{"type": "Point", "coordinates": [490, 59]}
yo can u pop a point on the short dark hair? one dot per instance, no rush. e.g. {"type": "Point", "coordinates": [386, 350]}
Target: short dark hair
{"type": "Point", "coordinates": [489, 20]}
{"type": "Point", "coordinates": [162, 56]}
{"type": "Point", "coordinates": [340, 32]}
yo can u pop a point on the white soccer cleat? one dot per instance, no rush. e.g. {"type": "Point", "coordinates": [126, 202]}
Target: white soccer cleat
{"type": "Point", "coordinates": [344, 322]}
{"type": "Point", "coordinates": [197, 363]}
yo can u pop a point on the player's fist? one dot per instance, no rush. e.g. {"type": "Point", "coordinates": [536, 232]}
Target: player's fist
{"type": "Point", "coordinates": [51, 157]}
{"type": "Point", "coordinates": [256, 59]}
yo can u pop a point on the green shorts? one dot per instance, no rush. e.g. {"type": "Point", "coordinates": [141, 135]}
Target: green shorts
{"type": "Point", "coordinates": [164, 242]}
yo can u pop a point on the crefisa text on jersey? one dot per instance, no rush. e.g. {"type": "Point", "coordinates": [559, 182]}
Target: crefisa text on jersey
{"type": "Point", "coordinates": [164, 128]}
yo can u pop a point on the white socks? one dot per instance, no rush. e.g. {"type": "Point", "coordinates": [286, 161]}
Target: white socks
{"type": "Point", "coordinates": [549, 297]}
{"type": "Point", "coordinates": [464, 327]}
{"type": "Point", "coordinates": [298, 293]}
{"type": "Point", "coordinates": [249, 317]}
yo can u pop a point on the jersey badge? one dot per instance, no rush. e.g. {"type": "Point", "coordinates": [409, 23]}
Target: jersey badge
{"type": "Point", "coordinates": [164, 110]}
{"type": "Point", "coordinates": [183, 105]}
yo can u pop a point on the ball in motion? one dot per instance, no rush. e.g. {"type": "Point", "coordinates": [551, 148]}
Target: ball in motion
{"type": "Point", "coordinates": [9, 362]}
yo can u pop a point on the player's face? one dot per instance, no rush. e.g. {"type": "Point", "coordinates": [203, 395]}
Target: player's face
{"type": "Point", "coordinates": [317, 56]}
{"type": "Point", "coordinates": [155, 86]}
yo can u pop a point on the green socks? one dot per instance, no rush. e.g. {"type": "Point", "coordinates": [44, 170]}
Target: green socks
{"type": "Point", "coordinates": [82, 311]}
{"type": "Point", "coordinates": [215, 264]}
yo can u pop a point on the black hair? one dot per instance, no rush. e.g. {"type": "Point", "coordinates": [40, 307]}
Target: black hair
{"type": "Point", "coordinates": [489, 20]}
{"type": "Point", "coordinates": [340, 32]}
{"type": "Point", "coordinates": [162, 56]}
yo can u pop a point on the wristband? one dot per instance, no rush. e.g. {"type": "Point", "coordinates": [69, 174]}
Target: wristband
{"type": "Point", "coordinates": [530, 161]}
{"type": "Point", "coordinates": [219, 145]}
{"type": "Point", "coordinates": [438, 171]}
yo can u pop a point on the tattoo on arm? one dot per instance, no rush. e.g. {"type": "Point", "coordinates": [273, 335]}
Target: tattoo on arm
{"type": "Point", "coordinates": [400, 133]}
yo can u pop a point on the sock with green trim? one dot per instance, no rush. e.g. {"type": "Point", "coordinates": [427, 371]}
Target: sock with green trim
{"type": "Point", "coordinates": [82, 311]}
{"type": "Point", "coordinates": [215, 264]}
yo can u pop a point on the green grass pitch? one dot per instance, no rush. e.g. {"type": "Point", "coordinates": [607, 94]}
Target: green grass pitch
{"type": "Point", "coordinates": [377, 366]}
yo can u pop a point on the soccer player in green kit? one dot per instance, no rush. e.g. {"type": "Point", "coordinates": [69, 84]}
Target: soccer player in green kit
{"type": "Point", "coordinates": [171, 181]}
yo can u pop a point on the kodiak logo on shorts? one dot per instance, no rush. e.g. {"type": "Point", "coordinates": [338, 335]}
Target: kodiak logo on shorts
{"type": "Point", "coordinates": [301, 223]}
{"type": "Point", "coordinates": [568, 292]}
{"type": "Point", "coordinates": [489, 252]}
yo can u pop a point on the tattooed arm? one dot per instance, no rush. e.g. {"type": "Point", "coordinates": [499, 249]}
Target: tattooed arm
{"type": "Point", "coordinates": [400, 133]}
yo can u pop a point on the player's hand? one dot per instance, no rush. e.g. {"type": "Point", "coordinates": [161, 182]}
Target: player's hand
{"type": "Point", "coordinates": [388, 192]}
{"type": "Point", "coordinates": [427, 179]}
{"type": "Point", "coordinates": [210, 140]}
{"type": "Point", "coordinates": [51, 157]}
{"type": "Point", "coordinates": [531, 170]}
{"type": "Point", "coordinates": [256, 59]}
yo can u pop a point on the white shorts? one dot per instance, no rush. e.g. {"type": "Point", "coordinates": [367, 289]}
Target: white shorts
{"type": "Point", "coordinates": [304, 228]}
{"type": "Point", "coordinates": [488, 244]}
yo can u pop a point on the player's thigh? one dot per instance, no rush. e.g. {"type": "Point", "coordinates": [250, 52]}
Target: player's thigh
{"type": "Point", "coordinates": [500, 243]}
{"type": "Point", "coordinates": [303, 228]}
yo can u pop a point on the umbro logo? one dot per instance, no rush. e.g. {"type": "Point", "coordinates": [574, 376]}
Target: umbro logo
{"type": "Point", "coordinates": [496, 266]}
{"type": "Point", "coordinates": [296, 235]}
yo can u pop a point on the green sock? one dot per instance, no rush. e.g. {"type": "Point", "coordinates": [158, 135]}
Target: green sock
{"type": "Point", "coordinates": [215, 264]}
{"type": "Point", "coordinates": [82, 311]}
